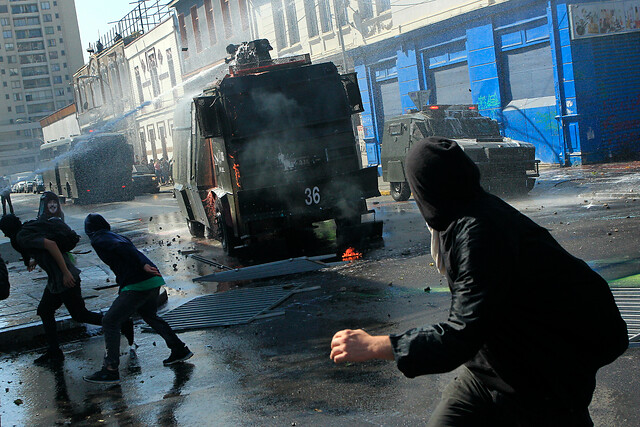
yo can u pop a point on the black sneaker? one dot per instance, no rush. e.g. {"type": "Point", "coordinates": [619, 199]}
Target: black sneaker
{"type": "Point", "coordinates": [104, 376]}
{"type": "Point", "coordinates": [179, 355]}
{"type": "Point", "coordinates": [127, 330]}
{"type": "Point", "coordinates": [51, 356]}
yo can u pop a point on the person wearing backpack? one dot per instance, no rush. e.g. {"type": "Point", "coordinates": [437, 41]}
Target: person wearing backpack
{"type": "Point", "coordinates": [529, 324]}
{"type": "Point", "coordinates": [48, 242]}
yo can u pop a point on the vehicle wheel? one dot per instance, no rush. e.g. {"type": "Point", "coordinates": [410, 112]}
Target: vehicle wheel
{"type": "Point", "coordinates": [400, 191]}
{"type": "Point", "coordinates": [195, 228]}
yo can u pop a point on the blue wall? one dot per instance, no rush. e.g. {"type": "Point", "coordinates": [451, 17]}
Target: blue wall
{"type": "Point", "coordinates": [590, 115]}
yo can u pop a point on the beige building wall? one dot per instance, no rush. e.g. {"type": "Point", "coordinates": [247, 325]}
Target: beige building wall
{"type": "Point", "coordinates": [39, 52]}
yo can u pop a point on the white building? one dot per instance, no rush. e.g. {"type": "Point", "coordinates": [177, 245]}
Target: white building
{"type": "Point", "coordinates": [156, 79]}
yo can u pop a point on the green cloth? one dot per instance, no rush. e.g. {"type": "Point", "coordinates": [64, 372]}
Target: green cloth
{"type": "Point", "coordinates": [154, 282]}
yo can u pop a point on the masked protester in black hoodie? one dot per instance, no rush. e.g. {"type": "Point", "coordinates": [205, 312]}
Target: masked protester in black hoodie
{"type": "Point", "coordinates": [521, 308]}
{"type": "Point", "coordinates": [140, 282]}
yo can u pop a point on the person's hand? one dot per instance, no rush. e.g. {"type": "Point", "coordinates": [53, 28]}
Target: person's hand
{"type": "Point", "coordinates": [152, 270]}
{"type": "Point", "coordinates": [68, 280]}
{"type": "Point", "coordinates": [32, 265]}
{"type": "Point", "coordinates": [358, 346]}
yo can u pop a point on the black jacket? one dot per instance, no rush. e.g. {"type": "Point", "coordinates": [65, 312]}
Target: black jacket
{"type": "Point", "coordinates": [4, 280]}
{"type": "Point", "coordinates": [526, 316]}
{"type": "Point", "coordinates": [118, 252]}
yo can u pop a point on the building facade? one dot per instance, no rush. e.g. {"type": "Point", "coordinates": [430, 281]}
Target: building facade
{"type": "Point", "coordinates": [547, 71]}
{"type": "Point", "coordinates": [154, 66]}
{"type": "Point", "coordinates": [39, 52]}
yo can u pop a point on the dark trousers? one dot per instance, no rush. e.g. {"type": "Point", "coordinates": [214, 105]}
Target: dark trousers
{"type": "Point", "coordinates": [145, 303]}
{"type": "Point", "coordinates": [467, 402]}
{"type": "Point", "coordinates": [6, 199]}
{"type": "Point", "coordinates": [72, 299]}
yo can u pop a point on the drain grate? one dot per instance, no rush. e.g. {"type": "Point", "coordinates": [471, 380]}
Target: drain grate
{"type": "Point", "coordinates": [628, 300]}
{"type": "Point", "coordinates": [235, 307]}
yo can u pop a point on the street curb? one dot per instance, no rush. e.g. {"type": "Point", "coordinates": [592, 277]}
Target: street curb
{"type": "Point", "coordinates": [385, 193]}
{"type": "Point", "coordinates": [19, 335]}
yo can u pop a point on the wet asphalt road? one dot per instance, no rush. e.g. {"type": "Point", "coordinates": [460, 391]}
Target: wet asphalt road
{"type": "Point", "coordinates": [277, 371]}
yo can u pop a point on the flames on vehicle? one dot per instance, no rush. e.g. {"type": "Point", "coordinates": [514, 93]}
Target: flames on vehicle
{"type": "Point", "coordinates": [351, 254]}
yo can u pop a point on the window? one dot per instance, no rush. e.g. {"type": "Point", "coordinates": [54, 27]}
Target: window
{"type": "Point", "coordinates": [196, 28]}
{"type": "Point", "coordinates": [152, 66]}
{"type": "Point", "coordinates": [33, 58]}
{"type": "Point", "coordinates": [382, 5]}
{"type": "Point", "coordinates": [9, 109]}
{"type": "Point", "coordinates": [4, 83]}
{"type": "Point", "coordinates": [208, 12]}
{"type": "Point", "coordinates": [325, 15]}
{"type": "Point", "coordinates": [19, 109]}
{"type": "Point", "coordinates": [7, 34]}
{"type": "Point", "coordinates": [57, 79]}
{"type": "Point", "coordinates": [17, 97]}
{"type": "Point", "coordinates": [55, 67]}
{"type": "Point", "coordinates": [139, 84]}
{"type": "Point", "coordinates": [1, 58]}
{"type": "Point", "coordinates": [57, 16]}
{"type": "Point", "coordinates": [28, 46]}
{"type": "Point", "coordinates": [28, 34]}
{"type": "Point", "coordinates": [41, 108]}
{"type": "Point", "coordinates": [39, 95]}
{"type": "Point", "coordinates": [61, 40]}
{"type": "Point", "coordinates": [244, 14]}
{"type": "Point", "coordinates": [47, 17]}
{"type": "Point", "coordinates": [3, 72]}
{"type": "Point", "coordinates": [172, 71]}
{"type": "Point", "coordinates": [23, 22]}
{"type": "Point", "coordinates": [4, 21]}
{"type": "Point", "coordinates": [62, 52]}
{"type": "Point", "coordinates": [24, 8]}
{"type": "Point", "coordinates": [34, 83]}
{"type": "Point", "coordinates": [183, 35]}
{"type": "Point", "coordinates": [48, 30]}
{"type": "Point", "coordinates": [279, 23]}
{"type": "Point", "coordinates": [51, 42]}
{"type": "Point", "coordinates": [59, 92]}
{"type": "Point", "coordinates": [59, 28]}
{"type": "Point", "coordinates": [45, 5]}
{"type": "Point", "coordinates": [8, 46]}
{"type": "Point", "coordinates": [64, 65]}
{"type": "Point", "coordinates": [226, 18]}
{"type": "Point", "coordinates": [365, 8]}
{"type": "Point", "coordinates": [15, 84]}
{"type": "Point", "coordinates": [13, 72]}
{"type": "Point", "coordinates": [292, 21]}
{"type": "Point", "coordinates": [11, 59]}
{"type": "Point", "coordinates": [4, 9]}
{"type": "Point", "coordinates": [35, 71]}
{"type": "Point", "coordinates": [53, 55]}
{"type": "Point", "coordinates": [312, 17]}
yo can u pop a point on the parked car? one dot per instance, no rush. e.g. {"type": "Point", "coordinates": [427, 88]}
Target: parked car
{"type": "Point", "coordinates": [38, 185]}
{"type": "Point", "coordinates": [28, 186]}
{"type": "Point", "coordinates": [18, 187]}
{"type": "Point", "coordinates": [143, 180]}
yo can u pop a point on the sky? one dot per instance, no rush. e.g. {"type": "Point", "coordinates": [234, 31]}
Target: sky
{"type": "Point", "coordinates": [94, 15]}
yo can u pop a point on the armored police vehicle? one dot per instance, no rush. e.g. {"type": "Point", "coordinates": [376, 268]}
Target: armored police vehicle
{"type": "Point", "coordinates": [269, 149]}
{"type": "Point", "coordinates": [506, 166]}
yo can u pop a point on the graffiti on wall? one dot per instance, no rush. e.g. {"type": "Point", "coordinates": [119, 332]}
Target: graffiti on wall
{"type": "Point", "coordinates": [604, 18]}
{"type": "Point", "coordinates": [488, 102]}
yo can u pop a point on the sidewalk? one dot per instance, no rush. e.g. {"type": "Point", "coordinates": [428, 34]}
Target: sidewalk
{"type": "Point", "coordinates": [19, 323]}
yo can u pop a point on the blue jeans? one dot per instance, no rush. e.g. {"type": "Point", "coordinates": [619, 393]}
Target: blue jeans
{"type": "Point", "coordinates": [145, 303]}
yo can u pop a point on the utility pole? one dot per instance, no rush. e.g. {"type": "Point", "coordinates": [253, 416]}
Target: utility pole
{"type": "Point", "coordinates": [340, 38]}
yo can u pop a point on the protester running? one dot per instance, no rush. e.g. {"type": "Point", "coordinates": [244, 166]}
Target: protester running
{"type": "Point", "coordinates": [140, 282]}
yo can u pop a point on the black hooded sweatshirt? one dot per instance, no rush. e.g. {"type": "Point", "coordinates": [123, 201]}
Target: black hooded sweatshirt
{"type": "Point", "coordinates": [118, 252]}
{"type": "Point", "coordinates": [526, 317]}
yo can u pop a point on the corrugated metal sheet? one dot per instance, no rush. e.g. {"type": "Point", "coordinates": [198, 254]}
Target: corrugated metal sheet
{"type": "Point", "coordinates": [261, 271]}
{"type": "Point", "coordinates": [235, 307]}
{"type": "Point", "coordinates": [628, 300]}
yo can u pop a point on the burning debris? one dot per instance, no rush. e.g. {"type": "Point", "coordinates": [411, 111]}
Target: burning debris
{"type": "Point", "coordinates": [351, 254]}
{"type": "Point", "coordinates": [236, 169]}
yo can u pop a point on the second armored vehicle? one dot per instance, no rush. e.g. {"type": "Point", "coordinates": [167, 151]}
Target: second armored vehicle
{"type": "Point", "coordinates": [506, 166]}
